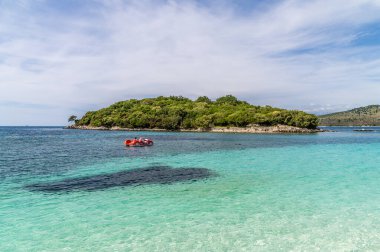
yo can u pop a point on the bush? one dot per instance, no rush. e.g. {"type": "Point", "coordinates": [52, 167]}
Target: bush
{"type": "Point", "coordinates": [177, 112]}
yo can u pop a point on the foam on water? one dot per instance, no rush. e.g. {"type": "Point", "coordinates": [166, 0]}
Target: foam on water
{"type": "Point", "coordinates": [309, 192]}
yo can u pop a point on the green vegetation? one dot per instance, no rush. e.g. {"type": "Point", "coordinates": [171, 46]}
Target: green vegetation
{"type": "Point", "coordinates": [177, 112]}
{"type": "Point", "coordinates": [72, 118]}
{"type": "Point", "coordinates": [369, 115]}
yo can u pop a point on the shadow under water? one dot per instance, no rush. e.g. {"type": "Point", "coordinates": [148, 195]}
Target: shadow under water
{"type": "Point", "coordinates": [135, 177]}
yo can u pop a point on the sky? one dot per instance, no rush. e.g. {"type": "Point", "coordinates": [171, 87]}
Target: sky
{"type": "Point", "coordinates": [62, 58]}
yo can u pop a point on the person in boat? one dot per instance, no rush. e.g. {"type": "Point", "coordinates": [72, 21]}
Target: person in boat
{"type": "Point", "coordinates": [134, 141]}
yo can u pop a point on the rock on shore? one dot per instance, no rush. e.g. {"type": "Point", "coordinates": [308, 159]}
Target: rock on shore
{"type": "Point", "coordinates": [265, 129]}
{"type": "Point", "coordinates": [256, 129]}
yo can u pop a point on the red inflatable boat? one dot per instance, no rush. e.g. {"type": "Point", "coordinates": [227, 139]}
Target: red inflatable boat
{"type": "Point", "coordinates": [138, 142]}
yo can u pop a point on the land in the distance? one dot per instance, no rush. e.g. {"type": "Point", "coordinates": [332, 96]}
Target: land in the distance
{"type": "Point", "coordinates": [225, 114]}
{"type": "Point", "coordinates": [363, 116]}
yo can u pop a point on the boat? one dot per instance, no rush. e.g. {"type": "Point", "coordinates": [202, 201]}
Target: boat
{"type": "Point", "coordinates": [138, 142]}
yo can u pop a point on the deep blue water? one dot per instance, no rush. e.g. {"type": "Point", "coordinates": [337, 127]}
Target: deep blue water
{"type": "Point", "coordinates": [53, 150]}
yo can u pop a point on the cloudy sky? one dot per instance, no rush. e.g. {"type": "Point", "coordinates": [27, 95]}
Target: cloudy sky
{"type": "Point", "coordinates": [59, 58]}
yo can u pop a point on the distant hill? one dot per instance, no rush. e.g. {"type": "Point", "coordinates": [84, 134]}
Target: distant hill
{"type": "Point", "coordinates": [177, 112]}
{"type": "Point", "coordinates": [369, 116]}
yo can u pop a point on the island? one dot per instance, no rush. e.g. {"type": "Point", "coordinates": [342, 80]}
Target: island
{"type": "Point", "coordinates": [363, 116]}
{"type": "Point", "coordinates": [177, 113]}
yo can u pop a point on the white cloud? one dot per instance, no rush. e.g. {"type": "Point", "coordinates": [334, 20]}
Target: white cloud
{"type": "Point", "coordinates": [292, 54]}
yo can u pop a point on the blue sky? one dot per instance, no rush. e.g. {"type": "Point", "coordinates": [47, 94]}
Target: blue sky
{"type": "Point", "coordinates": [59, 58]}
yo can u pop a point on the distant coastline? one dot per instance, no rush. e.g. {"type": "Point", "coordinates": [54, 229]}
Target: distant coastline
{"type": "Point", "coordinates": [254, 129]}
{"type": "Point", "coordinates": [359, 117]}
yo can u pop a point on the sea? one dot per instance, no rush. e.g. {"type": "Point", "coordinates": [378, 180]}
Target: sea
{"type": "Point", "coordinates": [78, 190]}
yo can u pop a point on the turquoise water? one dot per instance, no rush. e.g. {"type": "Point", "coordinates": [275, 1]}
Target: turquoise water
{"type": "Point", "coordinates": [267, 192]}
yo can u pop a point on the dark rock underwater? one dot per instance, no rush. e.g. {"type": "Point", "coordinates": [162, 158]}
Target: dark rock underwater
{"type": "Point", "coordinates": [135, 177]}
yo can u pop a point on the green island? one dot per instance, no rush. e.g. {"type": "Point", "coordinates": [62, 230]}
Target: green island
{"type": "Point", "coordinates": [180, 113]}
{"type": "Point", "coordinates": [363, 116]}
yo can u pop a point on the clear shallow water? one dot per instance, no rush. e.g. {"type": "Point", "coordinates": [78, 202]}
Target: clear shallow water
{"type": "Point", "coordinates": [271, 192]}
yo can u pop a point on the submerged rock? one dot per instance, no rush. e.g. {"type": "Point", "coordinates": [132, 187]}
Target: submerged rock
{"type": "Point", "coordinates": [135, 177]}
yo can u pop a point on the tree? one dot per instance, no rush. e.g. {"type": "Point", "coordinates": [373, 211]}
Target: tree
{"type": "Point", "coordinates": [204, 121]}
{"type": "Point", "coordinates": [238, 118]}
{"type": "Point", "coordinates": [203, 99]}
{"type": "Point", "coordinates": [72, 118]}
{"type": "Point", "coordinates": [229, 99]}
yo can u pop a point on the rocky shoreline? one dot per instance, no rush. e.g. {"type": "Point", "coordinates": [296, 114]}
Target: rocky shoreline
{"type": "Point", "coordinates": [254, 129]}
